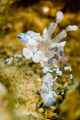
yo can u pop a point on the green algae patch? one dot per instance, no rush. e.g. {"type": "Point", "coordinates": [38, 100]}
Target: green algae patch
{"type": "Point", "coordinates": [71, 106]}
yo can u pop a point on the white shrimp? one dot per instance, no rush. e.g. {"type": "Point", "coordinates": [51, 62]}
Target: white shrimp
{"type": "Point", "coordinates": [48, 52]}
